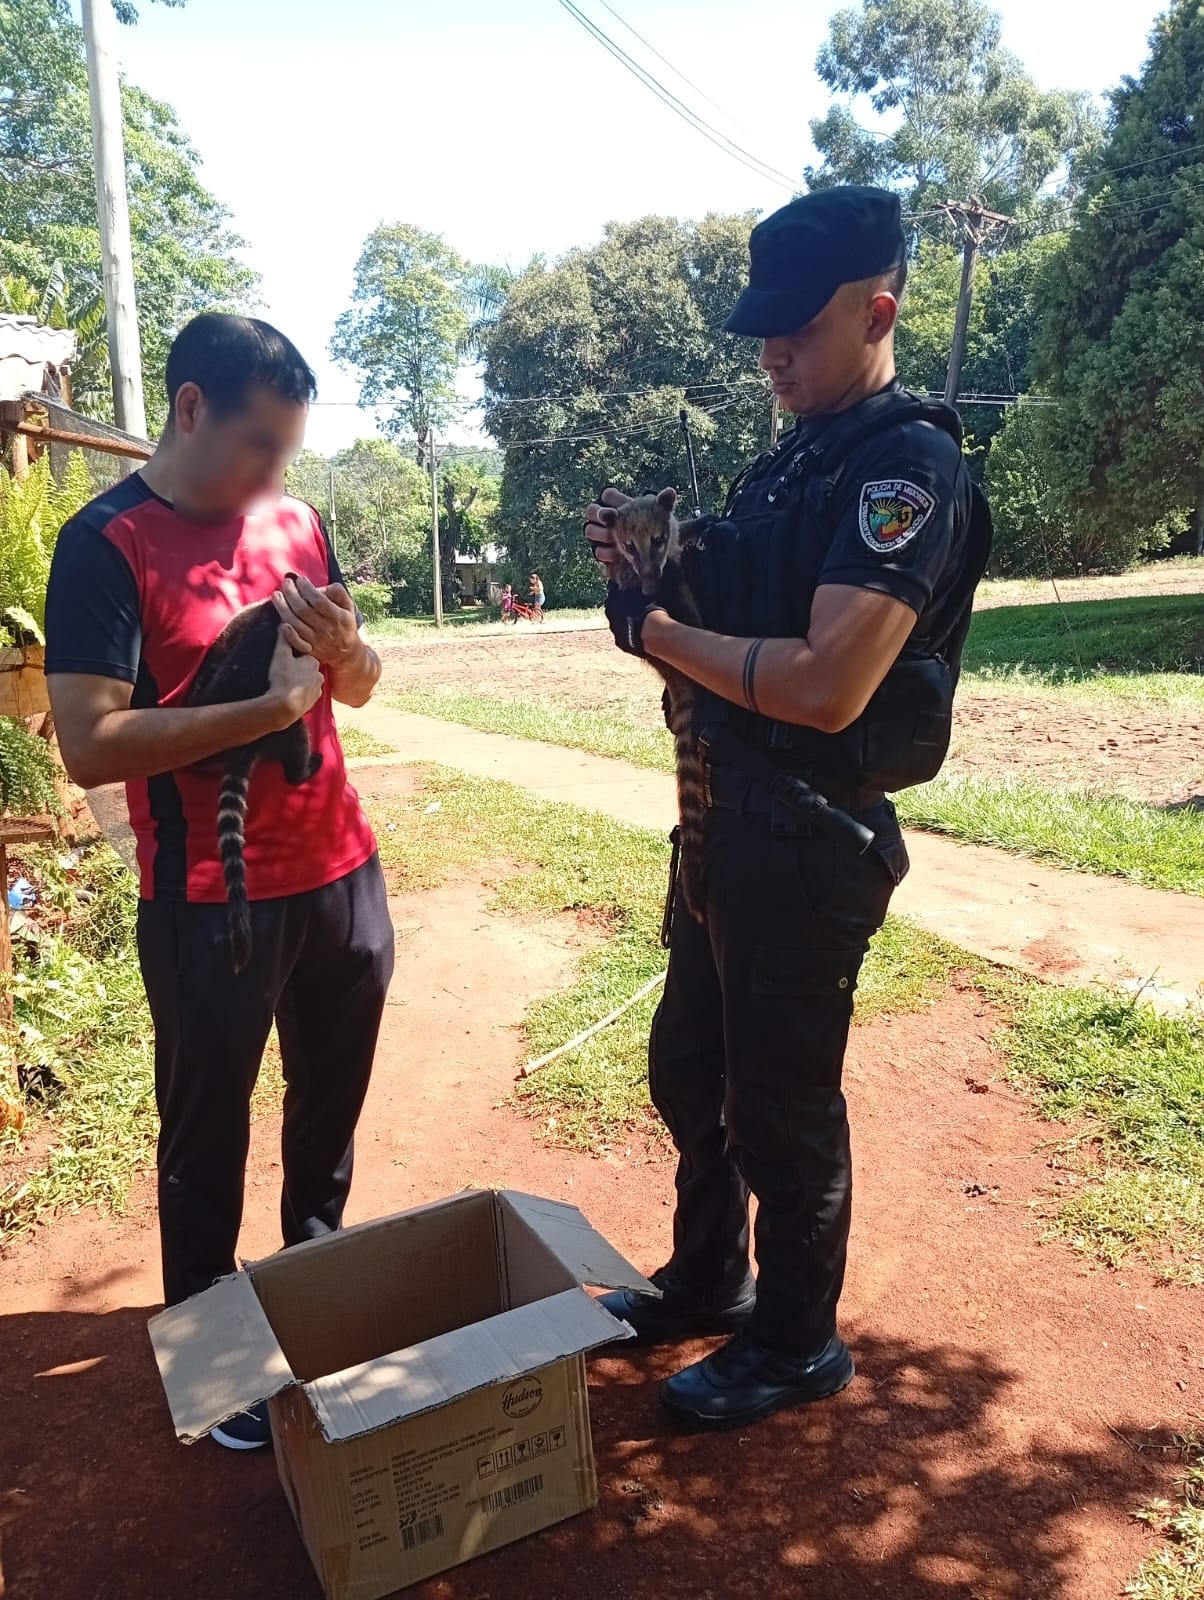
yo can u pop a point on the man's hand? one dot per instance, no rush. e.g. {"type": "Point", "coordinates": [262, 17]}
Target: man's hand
{"type": "Point", "coordinates": [294, 681]}
{"type": "Point", "coordinates": [601, 538]}
{"type": "Point", "coordinates": [318, 622]}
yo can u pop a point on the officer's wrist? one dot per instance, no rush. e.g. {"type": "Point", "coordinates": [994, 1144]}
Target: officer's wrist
{"type": "Point", "coordinates": [656, 629]}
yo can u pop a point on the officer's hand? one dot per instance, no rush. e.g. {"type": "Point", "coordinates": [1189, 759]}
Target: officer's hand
{"type": "Point", "coordinates": [599, 535]}
{"type": "Point", "coordinates": [626, 610]}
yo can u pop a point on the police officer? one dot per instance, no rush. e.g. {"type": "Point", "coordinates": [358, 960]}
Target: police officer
{"type": "Point", "coordinates": [835, 593]}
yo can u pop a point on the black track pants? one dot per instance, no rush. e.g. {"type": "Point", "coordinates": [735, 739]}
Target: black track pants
{"type": "Point", "coordinates": [321, 965]}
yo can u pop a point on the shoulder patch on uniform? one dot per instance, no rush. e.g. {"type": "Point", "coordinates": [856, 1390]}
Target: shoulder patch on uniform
{"type": "Point", "coordinates": [891, 512]}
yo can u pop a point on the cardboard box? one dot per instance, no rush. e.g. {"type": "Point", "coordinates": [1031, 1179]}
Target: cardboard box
{"type": "Point", "coordinates": [425, 1376]}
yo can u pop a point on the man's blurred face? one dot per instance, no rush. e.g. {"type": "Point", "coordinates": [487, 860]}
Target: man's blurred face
{"type": "Point", "coordinates": [236, 459]}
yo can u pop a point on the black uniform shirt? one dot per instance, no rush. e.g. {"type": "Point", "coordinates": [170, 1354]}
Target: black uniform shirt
{"type": "Point", "coordinates": [899, 519]}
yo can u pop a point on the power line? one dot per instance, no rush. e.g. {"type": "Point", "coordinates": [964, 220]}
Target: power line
{"type": "Point", "coordinates": [619, 431]}
{"type": "Point", "coordinates": [648, 45]}
{"type": "Point", "coordinates": [720, 140]}
{"type": "Point", "coordinates": [1169, 155]}
{"type": "Point", "coordinates": [1158, 199]}
{"type": "Point", "coordinates": [584, 438]}
{"type": "Point", "coordinates": [626, 394]}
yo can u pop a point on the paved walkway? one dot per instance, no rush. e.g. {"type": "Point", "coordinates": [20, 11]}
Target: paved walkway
{"type": "Point", "coordinates": [1068, 926]}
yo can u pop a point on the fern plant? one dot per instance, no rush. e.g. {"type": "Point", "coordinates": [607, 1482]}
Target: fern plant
{"type": "Point", "coordinates": [32, 510]}
{"type": "Point", "coordinates": [27, 773]}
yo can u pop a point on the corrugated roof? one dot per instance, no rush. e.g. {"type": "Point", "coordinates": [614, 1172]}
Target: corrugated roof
{"type": "Point", "coordinates": [27, 349]}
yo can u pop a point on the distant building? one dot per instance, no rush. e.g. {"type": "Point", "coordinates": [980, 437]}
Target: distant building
{"type": "Point", "coordinates": [478, 577]}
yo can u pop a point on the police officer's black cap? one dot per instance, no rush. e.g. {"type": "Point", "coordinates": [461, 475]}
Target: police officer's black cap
{"type": "Point", "coordinates": [802, 254]}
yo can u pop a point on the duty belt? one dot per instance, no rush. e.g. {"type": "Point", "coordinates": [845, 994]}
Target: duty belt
{"type": "Point", "coordinates": [741, 778]}
{"type": "Point", "coordinates": [732, 789]}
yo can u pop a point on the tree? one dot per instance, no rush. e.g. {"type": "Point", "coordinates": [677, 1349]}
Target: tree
{"type": "Point", "coordinates": [407, 327]}
{"type": "Point", "coordinates": [467, 513]}
{"type": "Point", "coordinates": [381, 501]}
{"type": "Point", "coordinates": [185, 258]}
{"type": "Point", "coordinates": [127, 13]}
{"type": "Point", "coordinates": [1122, 341]}
{"type": "Point", "coordinates": [961, 116]}
{"type": "Point", "coordinates": [1039, 529]}
{"type": "Point", "coordinates": [1005, 310]}
{"type": "Point", "coordinates": [58, 304]}
{"type": "Point", "coordinates": [587, 367]}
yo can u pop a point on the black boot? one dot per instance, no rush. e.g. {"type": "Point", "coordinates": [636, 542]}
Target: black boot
{"type": "Point", "coordinates": [681, 1312]}
{"type": "Point", "coordinates": [745, 1381]}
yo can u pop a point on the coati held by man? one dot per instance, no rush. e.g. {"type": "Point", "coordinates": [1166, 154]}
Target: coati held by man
{"type": "Point", "coordinates": [648, 540]}
{"type": "Point", "coordinates": [236, 667]}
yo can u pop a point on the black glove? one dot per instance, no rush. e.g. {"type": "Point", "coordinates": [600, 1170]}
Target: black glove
{"type": "Point", "coordinates": [625, 611]}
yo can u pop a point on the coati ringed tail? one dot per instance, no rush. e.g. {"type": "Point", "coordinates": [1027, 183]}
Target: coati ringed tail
{"type": "Point", "coordinates": [648, 540]}
{"type": "Point", "coordinates": [236, 667]}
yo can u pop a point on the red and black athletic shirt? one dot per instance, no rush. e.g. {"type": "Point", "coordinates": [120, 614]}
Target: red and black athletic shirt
{"type": "Point", "coordinates": [138, 592]}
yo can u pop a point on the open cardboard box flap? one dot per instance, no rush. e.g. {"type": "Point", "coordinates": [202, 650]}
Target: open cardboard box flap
{"type": "Point", "coordinates": [218, 1354]}
{"type": "Point", "coordinates": [575, 1243]}
{"type": "Point", "coordinates": [393, 1388]}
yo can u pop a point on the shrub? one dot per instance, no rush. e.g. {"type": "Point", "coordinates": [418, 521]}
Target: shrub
{"type": "Point", "coordinates": [1041, 528]}
{"type": "Point", "coordinates": [374, 600]}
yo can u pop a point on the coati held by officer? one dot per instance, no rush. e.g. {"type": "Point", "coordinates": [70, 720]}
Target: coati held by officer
{"type": "Point", "coordinates": [236, 667]}
{"type": "Point", "coordinates": [648, 539]}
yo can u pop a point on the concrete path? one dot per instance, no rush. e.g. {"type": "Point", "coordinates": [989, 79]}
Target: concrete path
{"type": "Point", "coordinates": [1068, 926]}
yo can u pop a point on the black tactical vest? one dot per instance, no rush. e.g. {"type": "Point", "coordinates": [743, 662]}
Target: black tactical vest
{"type": "Point", "coordinates": [754, 572]}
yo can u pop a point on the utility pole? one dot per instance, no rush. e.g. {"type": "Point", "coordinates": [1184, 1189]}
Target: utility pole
{"type": "Point", "coordinates": [437, 564]}
{"type": "Point", "coordinates": [113, 212]}
{"type": "Point", "coordinates": [978, 226]}
{"type": "Point", "coordinates": [334, 517]}
{"type": "Point", "coordinates": [683, 418]}
{"type": "Point", "coordinates": [775, 421]}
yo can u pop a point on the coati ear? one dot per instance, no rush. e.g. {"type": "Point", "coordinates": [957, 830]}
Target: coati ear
{"type": "Point", "coordinates": [608, 517]}
{"type": "Point", "coordinates": [667, 499]}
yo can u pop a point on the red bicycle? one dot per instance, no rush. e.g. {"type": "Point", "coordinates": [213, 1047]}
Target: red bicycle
{"type": "Point", "coordinates": [518, 609]}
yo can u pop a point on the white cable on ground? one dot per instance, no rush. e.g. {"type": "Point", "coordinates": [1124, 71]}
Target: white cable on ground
{"type": "Point", "coordinates": [588, 1033]}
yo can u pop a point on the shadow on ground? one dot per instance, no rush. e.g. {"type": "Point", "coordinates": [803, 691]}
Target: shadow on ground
{"type": "Point", "coordinates": [903, 1487]}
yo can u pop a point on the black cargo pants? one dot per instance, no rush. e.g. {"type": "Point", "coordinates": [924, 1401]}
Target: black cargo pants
{"type": "Point", "coordinates": [745, 1061]}
{"type": "Point", "coordinates": [320, 966]}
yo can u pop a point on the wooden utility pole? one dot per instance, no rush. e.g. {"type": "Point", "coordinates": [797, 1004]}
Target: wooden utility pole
{"type": "Point", "coordinates": [775, 421]}
{"type": "Point", "coordinates": [436, 563]}
{"type": "Point", "coordinates": [113, 212]}
{"type": "Point", "coordinates": [334, 517]}
{"type": "Point", "coordinates": [977, 225]}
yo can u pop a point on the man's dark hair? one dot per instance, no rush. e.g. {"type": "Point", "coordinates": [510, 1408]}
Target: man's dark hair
{"type": "Point", "coordinates": [895, 281]}
{"type": "Point", "coordinates": [224, 356]}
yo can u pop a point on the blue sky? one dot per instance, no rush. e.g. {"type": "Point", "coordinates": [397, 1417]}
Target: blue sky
{"type": "Point", "coordinates": [503, 126]}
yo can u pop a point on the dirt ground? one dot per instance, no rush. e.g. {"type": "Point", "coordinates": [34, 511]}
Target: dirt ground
{"type": "Point", "coordinates": [992, 1447]}
{"type": "Point", "coordinates": [1154, 756]}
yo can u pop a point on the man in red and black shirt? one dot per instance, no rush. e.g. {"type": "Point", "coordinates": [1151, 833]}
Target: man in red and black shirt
{"type": "Point", "coordinates": [143, 581]}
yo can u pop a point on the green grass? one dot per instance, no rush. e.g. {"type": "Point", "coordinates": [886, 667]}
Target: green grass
{"type": "Point", "coordinates": [1129, 1079]}
{"type": "Point", "coordinates": [1176, 1570]}
{"type": "Point", "coordinates": [1089, 832]}
{"type": "Point", "coordinates": [83, 1024]}
{"type": "Point", "coordinates": [548, 723]}
{"type": "Point", "coordinates": [1124, 693]}
{"type": "Point", "coordinates": [1153, 633]}
{"type": "Point", "coordinates": [577, 860]}
{"type": "Point", "coordinates": [423, 627]}
{"type": "Point", "coordinates": [356, 743]}
{"type": "Point", "coordinates": [1135, 1077]}
{"type": "Point", "coordinates": [82, 1020]}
